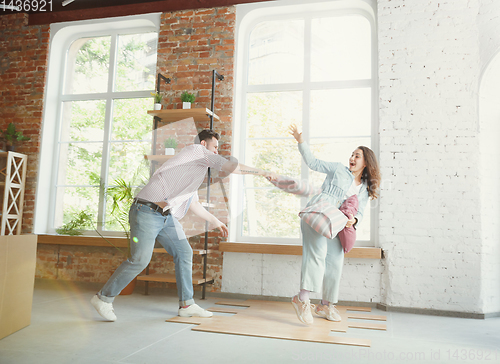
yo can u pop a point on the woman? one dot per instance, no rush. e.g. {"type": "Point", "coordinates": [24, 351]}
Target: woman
{"type": "Point", "coordinates": [323, 258]}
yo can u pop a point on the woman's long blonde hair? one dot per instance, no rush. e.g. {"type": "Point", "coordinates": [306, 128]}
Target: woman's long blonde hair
{"type": "Point", "coordinates": [371, 173]}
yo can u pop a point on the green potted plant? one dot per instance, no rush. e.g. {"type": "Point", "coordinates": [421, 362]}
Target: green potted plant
{"type": "Point", "coordinates": [157, 97]}
{"type": "Point", "coordinates": [79, 222]}
{"type": "Point", "coordinates": [84, 220]}
{"type": "Point", "coordinates": [187, 99]}
{"type": "Point", "coordinates": [12, 136]}
{"type": "Point", "coordinates": [170, 145]}
{"type": "Point", "coordinates": [121, 198]}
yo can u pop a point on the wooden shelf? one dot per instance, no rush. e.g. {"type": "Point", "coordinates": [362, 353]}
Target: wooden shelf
{"type": "Point", "coordinates": [170, 278]}
{"type": "Point", "coordinates": [170, 115]}
{"type": "Point", "coordinates": [98, 241]}
{"type": "Point", "coordinates": [195, 251]}
{"type": "Point", "coordinates": [82, 240]}
{"type": "Point", "coordinates": [356, 252]}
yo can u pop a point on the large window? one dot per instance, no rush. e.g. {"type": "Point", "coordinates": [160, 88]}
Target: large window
{"type": "Point", "coordinates": [101, 130]}
{"type": "Point", "coordinates": [105, 128]}
{"type": "Point", "coordinates": [314, 69]}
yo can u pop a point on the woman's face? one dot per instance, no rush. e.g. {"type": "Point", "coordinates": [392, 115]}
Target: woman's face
{"type": "Point", "coordinates": [357, 161]}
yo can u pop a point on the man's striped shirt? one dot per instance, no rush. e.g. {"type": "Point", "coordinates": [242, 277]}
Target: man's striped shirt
{"type": "Point", "coordinates": [177, 181]}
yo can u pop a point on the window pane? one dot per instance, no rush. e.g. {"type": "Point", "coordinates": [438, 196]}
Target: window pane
{"type": "Point", "coordinates": [83, 120]}
{"type": "Point", "coordinates": [127, 160]}
{"type": "Point", "coordinates": [73, 200]}
{"type": "Point", "coordinates": [271, 213]}
{"type": "Point", "coordinates": [136, 62]}
{"type": "Point", "coordinates": [117, 216]}
{"type": "Point", "coordinates": [341, 48]}
{"type": "Point", "coordinates": [341, 113]}
{"type": "Point", "coordinates": [363, 229]}
{"type": "Point", "coordinates": [88, 65]}
{"type": "Point", "coordinates": [130, 141]}
{"type": "Point", "coordinates": [279, 156]}
{"type": "Point", "coordinates": [270, 113]}
{"type": "Point", "coordinates": [276, 52]}
{"type": "Point", "coordinates": [131, 120]}
{"type": "Point", "coordinates": [118, 221]}
{"type": "Point", "coordinates": [80, 164]}
{"type": "Point", "coordinates": [339, 117]}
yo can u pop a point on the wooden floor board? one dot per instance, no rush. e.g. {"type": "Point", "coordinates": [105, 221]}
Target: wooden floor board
{"type": "Point", "coordinates": [362, 325]}
{"type": "Point", "coordinates": [366, 317]}
{"type": "Point", "coordinates": [223, 310]}
{"type": "Point", "coordinates": [356, 308]}
{"type": "Point", "coordinates": [241, 303]}
{"type": "Point", "coordinates": [273, 319]}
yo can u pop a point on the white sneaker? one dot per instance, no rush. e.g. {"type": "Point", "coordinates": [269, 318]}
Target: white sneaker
{"type": "Point", "coordinates": [194, 311]}
{"type": "Point", "coordinates": [329, 312]}
{"type": "Point", "coordinates": [303, 310]}
{"type": "Point", "coordinates": [104, 309]}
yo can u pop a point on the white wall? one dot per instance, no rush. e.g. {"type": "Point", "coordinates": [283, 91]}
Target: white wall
{"type": "Point", "coordinates": [439, 219]}
{"type": "Point", "coordinates": [489, 116]}
{"type": "Point", "coordinates": [430, 223]}
{"type": "Point", "coordinates": [279, 275]}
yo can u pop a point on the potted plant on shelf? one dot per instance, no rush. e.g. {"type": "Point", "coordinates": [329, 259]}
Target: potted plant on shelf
{"type": "Point", "coordinates": [170, 145]}
{"type": "Point", "coordinates": [157, 97]}
{"type": "Point", "coordinates": [187, 99]}
{"type": "Point", "coordinates": [11, 136]}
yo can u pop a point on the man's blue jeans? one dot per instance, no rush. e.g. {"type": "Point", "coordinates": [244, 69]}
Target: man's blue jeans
{"type": "Point", "coordinates": [146, 226]}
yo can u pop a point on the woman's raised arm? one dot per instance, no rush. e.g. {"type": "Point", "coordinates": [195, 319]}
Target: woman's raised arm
{"type": "Point", "coordinates": [312, 162]}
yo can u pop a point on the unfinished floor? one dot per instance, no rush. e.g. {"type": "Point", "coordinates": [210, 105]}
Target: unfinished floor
{"type": "Point", "coordinates": [66, 329]}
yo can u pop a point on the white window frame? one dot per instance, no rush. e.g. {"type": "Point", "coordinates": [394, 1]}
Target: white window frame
{"type": "Point", "coordinates": [62, 35]}
{"type": "Point", "coordinates": [247, 17]}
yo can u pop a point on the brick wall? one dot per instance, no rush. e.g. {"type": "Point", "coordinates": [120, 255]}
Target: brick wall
{"type": "Point", "coordinates": [191, 44]}
{"type": "Point", "coordinates": [23, 67]}
{"type": "Point", "coordinates": [77, 263]}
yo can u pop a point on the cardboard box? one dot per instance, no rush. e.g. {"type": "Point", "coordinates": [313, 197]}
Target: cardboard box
{"type": "Point", "coordinates": [17, 278]}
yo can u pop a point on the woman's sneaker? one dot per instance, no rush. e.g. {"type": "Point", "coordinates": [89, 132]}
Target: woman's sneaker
{"type": "Point", "coordinates": [303, 310]}
{"type": "Point", "coordinates": [329, 312]}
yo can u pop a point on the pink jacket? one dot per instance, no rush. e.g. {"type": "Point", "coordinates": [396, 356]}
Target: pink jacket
{"type": "Point", "coordinates": [347, 236]}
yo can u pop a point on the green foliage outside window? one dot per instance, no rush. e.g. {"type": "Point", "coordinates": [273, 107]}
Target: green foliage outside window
{"type": "Point", "coordinates": [267, 211]}
{"type": "Point", "coordinates": [88, 140]}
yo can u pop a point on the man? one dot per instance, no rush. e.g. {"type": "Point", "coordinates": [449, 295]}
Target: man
{"type": "Point", "coordinates": [155, 214]}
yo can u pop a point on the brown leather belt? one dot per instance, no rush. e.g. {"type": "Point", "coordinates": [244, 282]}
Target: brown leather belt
{"type": "Point", "coordinates": [154, 206]}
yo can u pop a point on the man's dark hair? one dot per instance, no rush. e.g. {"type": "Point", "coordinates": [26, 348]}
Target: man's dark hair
{"type": "Point", "coordinates": [206, 134]}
